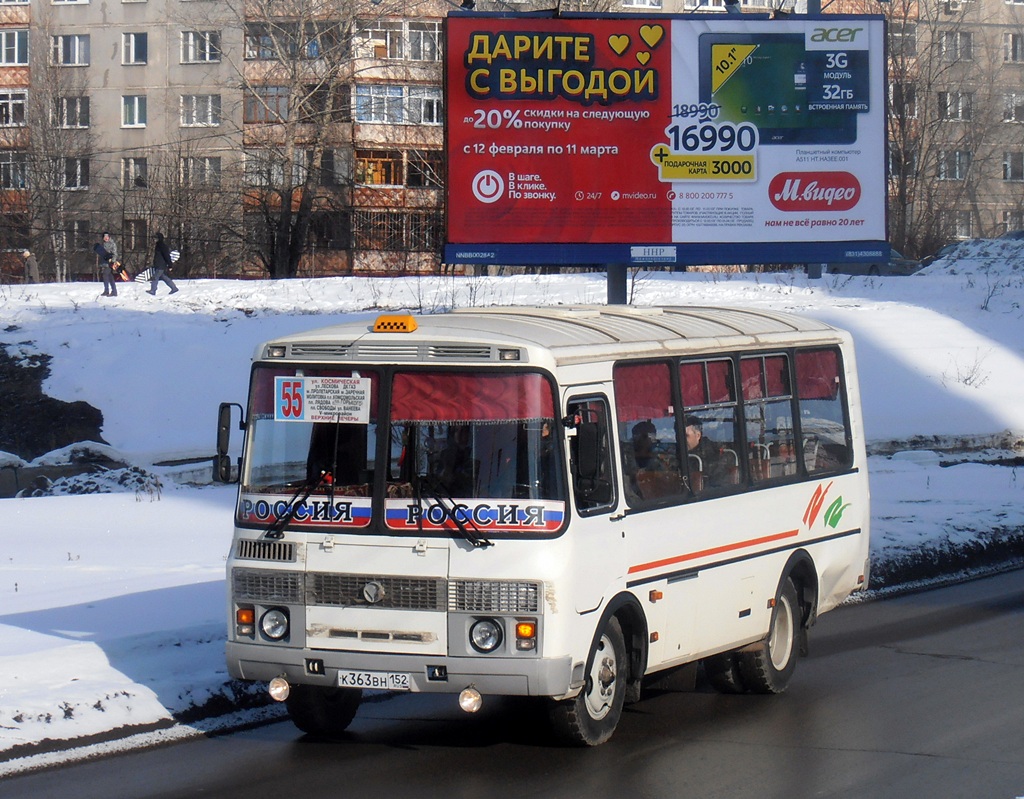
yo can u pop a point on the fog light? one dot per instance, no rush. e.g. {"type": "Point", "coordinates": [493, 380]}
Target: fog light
{"type": "Point", "coordinates": [470, 699]}
{"type": "Point", "coordinates": [274, 624]}
{"type": "Point", "coordinates": [279, 689]}
{"type": "Point", "coordinates": [485, 635]}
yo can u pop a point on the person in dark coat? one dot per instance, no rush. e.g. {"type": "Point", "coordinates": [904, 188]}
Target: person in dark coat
{"type": "Point", "coordinates": [161, 265]}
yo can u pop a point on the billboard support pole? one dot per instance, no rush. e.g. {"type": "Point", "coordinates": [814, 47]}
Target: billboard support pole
{"type": "Point", "coordinates": [616, 279]}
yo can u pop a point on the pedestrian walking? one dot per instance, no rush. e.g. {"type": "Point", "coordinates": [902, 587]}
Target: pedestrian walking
{"type": "Point", "coordinates": [31, 267]}
{"type": "Point", "coordinates": [107, 252]}
{"type": "Point", "coordinates": [161, 266]}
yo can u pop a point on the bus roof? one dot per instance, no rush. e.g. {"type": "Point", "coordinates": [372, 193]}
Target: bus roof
{"type": "Point", "coordinates": [570, 334]}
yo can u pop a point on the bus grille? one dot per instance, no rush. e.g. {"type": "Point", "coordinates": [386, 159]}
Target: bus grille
{"type": "Point", "coordinates": [280, 551]}
{"type": "Point", "coordinates": [395, 592]}
{"type": "Point", "coordinates": [264, 585]}
{"type": "Point", "coordinates": [494, 596]}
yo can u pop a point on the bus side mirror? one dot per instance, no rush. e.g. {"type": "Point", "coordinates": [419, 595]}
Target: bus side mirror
{"type": "Point", "coordinates": [587, 466]}
{"type": "Point", "coordinates": [222, 466]}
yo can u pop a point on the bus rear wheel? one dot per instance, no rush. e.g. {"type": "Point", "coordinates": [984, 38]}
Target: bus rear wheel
{"type": "Point", "coordinates": [322, 711]}
{"type": "Point", "coordinates": [590, 718]}
{"type": "Point", "coordinates": [768, 668]}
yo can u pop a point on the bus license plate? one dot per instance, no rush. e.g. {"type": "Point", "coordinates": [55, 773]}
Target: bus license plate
{"type": "Point", "coordinates": [380, 680]}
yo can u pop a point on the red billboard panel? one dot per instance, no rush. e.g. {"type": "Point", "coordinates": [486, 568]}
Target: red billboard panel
{"type": "Point", "coordinates": [671, 139]}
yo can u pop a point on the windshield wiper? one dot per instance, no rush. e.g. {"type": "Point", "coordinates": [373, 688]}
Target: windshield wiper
{"type": "Point", "coordinates": [470, 532]}
{"type": "Point", "coordinates": [275, 530]}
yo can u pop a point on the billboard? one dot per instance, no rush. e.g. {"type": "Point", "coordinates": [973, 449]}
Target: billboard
{"type": "Point", "coordinates": [670, 140]}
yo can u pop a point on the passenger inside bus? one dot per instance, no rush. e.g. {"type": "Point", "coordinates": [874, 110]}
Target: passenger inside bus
{"type": "Point", "coordinates": [708, 468]}
{"type": "Point", "coordinates": [458, 468]}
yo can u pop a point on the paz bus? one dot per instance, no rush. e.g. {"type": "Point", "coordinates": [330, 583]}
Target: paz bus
{"type": "Point", "coordinates": [557, 502]}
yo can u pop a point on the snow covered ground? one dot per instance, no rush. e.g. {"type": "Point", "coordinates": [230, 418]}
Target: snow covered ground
{"type": "Point", "coordinates": [112, 603]}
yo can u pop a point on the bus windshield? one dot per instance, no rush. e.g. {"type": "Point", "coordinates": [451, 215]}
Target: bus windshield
{"type": "Point", "coordinates": [444, 435]}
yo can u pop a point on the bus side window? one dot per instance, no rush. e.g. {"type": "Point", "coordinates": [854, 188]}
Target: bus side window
{"type": "Point", "coordinates": [591, 459]}
{"type": "Point", "coordinates": [824, 430]}
{"type": "Point", "coordinates": [768, 410]}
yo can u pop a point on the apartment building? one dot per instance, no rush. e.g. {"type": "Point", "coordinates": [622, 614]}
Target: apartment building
{"type": "Point", "coordinates": [307, 138]}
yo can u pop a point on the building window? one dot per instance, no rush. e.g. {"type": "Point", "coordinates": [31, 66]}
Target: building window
{"type": "Point", "coordinates": [903, 100]}
{"type": "Point", "coordinates": [1013, 166]}
{"type": "Point", "coordinates": [424, 231]}
{"type": "Point", "coordinates": [321, 104]}
{"type": "Point", "coordinates": [330, 231]}
{"type": "Point", "coordinates": [425, 169]}
{"type": "Point", "coordinates": [70, 50]}
{"type": "Point", "coordinates": [424, 106]}
{"type": "Point", "coordinates": [200, 171]}
{"type": "Point", "coordinates": [134, 173]}
{"type": "Point", "coordinates": [13, 47]}
{"type": "Point", "coordinates": [133, 111]}
{"type": "Point", "coordinates": [1013, 107]}
{"type": "Point", "coordinates": [136, 234]}
{"type": "Point", "coordinates": [902, 39]}
{"type": "Point", "coordinates": [266, 104]}
{"type": "Point", "coordinates": [14, 2]}
{"type": "Point", "coordinates": [902, 162]}
{"type": "Point", "coordinates": [13, 169]}
{"type": "Point", "coordinates": [200, 110]}
{"type": "Point", "coordinates": [953, 164]}
{"type": "Point", "coordinates": [263, 168]}
{"type": "Point", "coordinates": [76, 173]}
{"type": "Point", "coordinates": [641, 3]}
{"type": "Point", "coordinates": [12, 108]}
{"type": "Point", "coordinates": [424, 41]}
{"type": "Point", "coordinates": [956, 46]}
{"type": "Point", "coordinates": [1013, 48]}
{"type": "Point", "coordinates": [396, 104]}
{"type": "Point", "coordinates": [1013, 220]}
{"type": "Point", "coordinates": [955, 105]}
{"type": "Point", "coordinates": [960, 223]}
{"type": "Point", "coordinates": [379, 167]}
{"type": "Point", "coordinates": [378, 229]}
{"type": "Point", "coordinates": [78, 235]}
{"type": "Point", "coordinates": [71, 112]}
{"type": "Point", "coordinates": [259, 42]}
{"type": "Point", "coordinates": [134, 48]}
{"type": "Point", "coordinates": [302, 169]}
{"type": "Point", "coordinates": [200, 47]}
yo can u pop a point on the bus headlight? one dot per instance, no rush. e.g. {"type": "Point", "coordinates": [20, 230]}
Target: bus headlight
{"type": "Point", "coordinates": [485, 635]}
{"type": "Point", "coordinates": [275, 624]}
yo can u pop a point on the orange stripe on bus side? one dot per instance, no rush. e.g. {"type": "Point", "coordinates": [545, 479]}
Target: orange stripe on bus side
{"type": "Point", "coordinates": [753, 542]}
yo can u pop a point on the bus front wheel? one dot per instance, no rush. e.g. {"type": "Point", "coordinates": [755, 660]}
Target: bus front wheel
{"type": "Point", "coordinates": [590, 718]}
{"type": "Point", "coordinates": [767, 668]}
{"type": "Point", "coordinates": [322, 711]}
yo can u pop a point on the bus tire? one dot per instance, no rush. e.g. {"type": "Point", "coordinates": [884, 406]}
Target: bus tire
{"type": "Point", "coordinates": [768, 667]}
{"type": "Point", "coordinates": [322, 711]}
{"type": "Point", "coordinates": [723, 672]}
{"type": "Point", "coordinates": [590, 717]}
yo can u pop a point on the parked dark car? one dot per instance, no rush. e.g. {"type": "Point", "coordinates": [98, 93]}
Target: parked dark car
{"type": "Point", "coordinates": [896, 265]}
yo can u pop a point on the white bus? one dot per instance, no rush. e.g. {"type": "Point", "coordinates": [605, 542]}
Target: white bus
{"type": "Point", "coordinates": [547, 502]}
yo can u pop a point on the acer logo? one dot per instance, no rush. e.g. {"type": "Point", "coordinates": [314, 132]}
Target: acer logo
{"type": "Point", "coordinates": [814, 191]}
{"type": "Point", "coordinates": [835, 34]}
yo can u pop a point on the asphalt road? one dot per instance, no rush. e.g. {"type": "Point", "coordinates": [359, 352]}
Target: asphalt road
{"type": "Point", "coordinates": [920, 696]}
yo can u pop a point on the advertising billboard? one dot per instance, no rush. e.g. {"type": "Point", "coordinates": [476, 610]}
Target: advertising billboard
{"type": "Point", "coordinates": [669, 140]}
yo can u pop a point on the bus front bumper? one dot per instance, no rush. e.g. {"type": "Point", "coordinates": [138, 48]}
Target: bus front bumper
{"type": "Point", "coordinates": [496, 676]}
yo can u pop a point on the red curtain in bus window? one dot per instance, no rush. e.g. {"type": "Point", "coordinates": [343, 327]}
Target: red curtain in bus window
{"type": "Point", "coordinates": [750, 376]}
{"type": "Point", "coordinates": [776, 375]}
{"type": "Point", "coordinates": [642, 391]}
{"type": "Point", "coordinates": [691, 379]}
{"type": "Point", "coordinates": [817, 374]}
{"type": "Point", "coordinates": [720, 382]}
{"type": "Point", "coordinates": [464, 397]}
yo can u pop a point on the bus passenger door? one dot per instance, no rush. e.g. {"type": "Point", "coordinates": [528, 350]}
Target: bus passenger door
{"type": "Point", "coordinates": [598, 549]}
